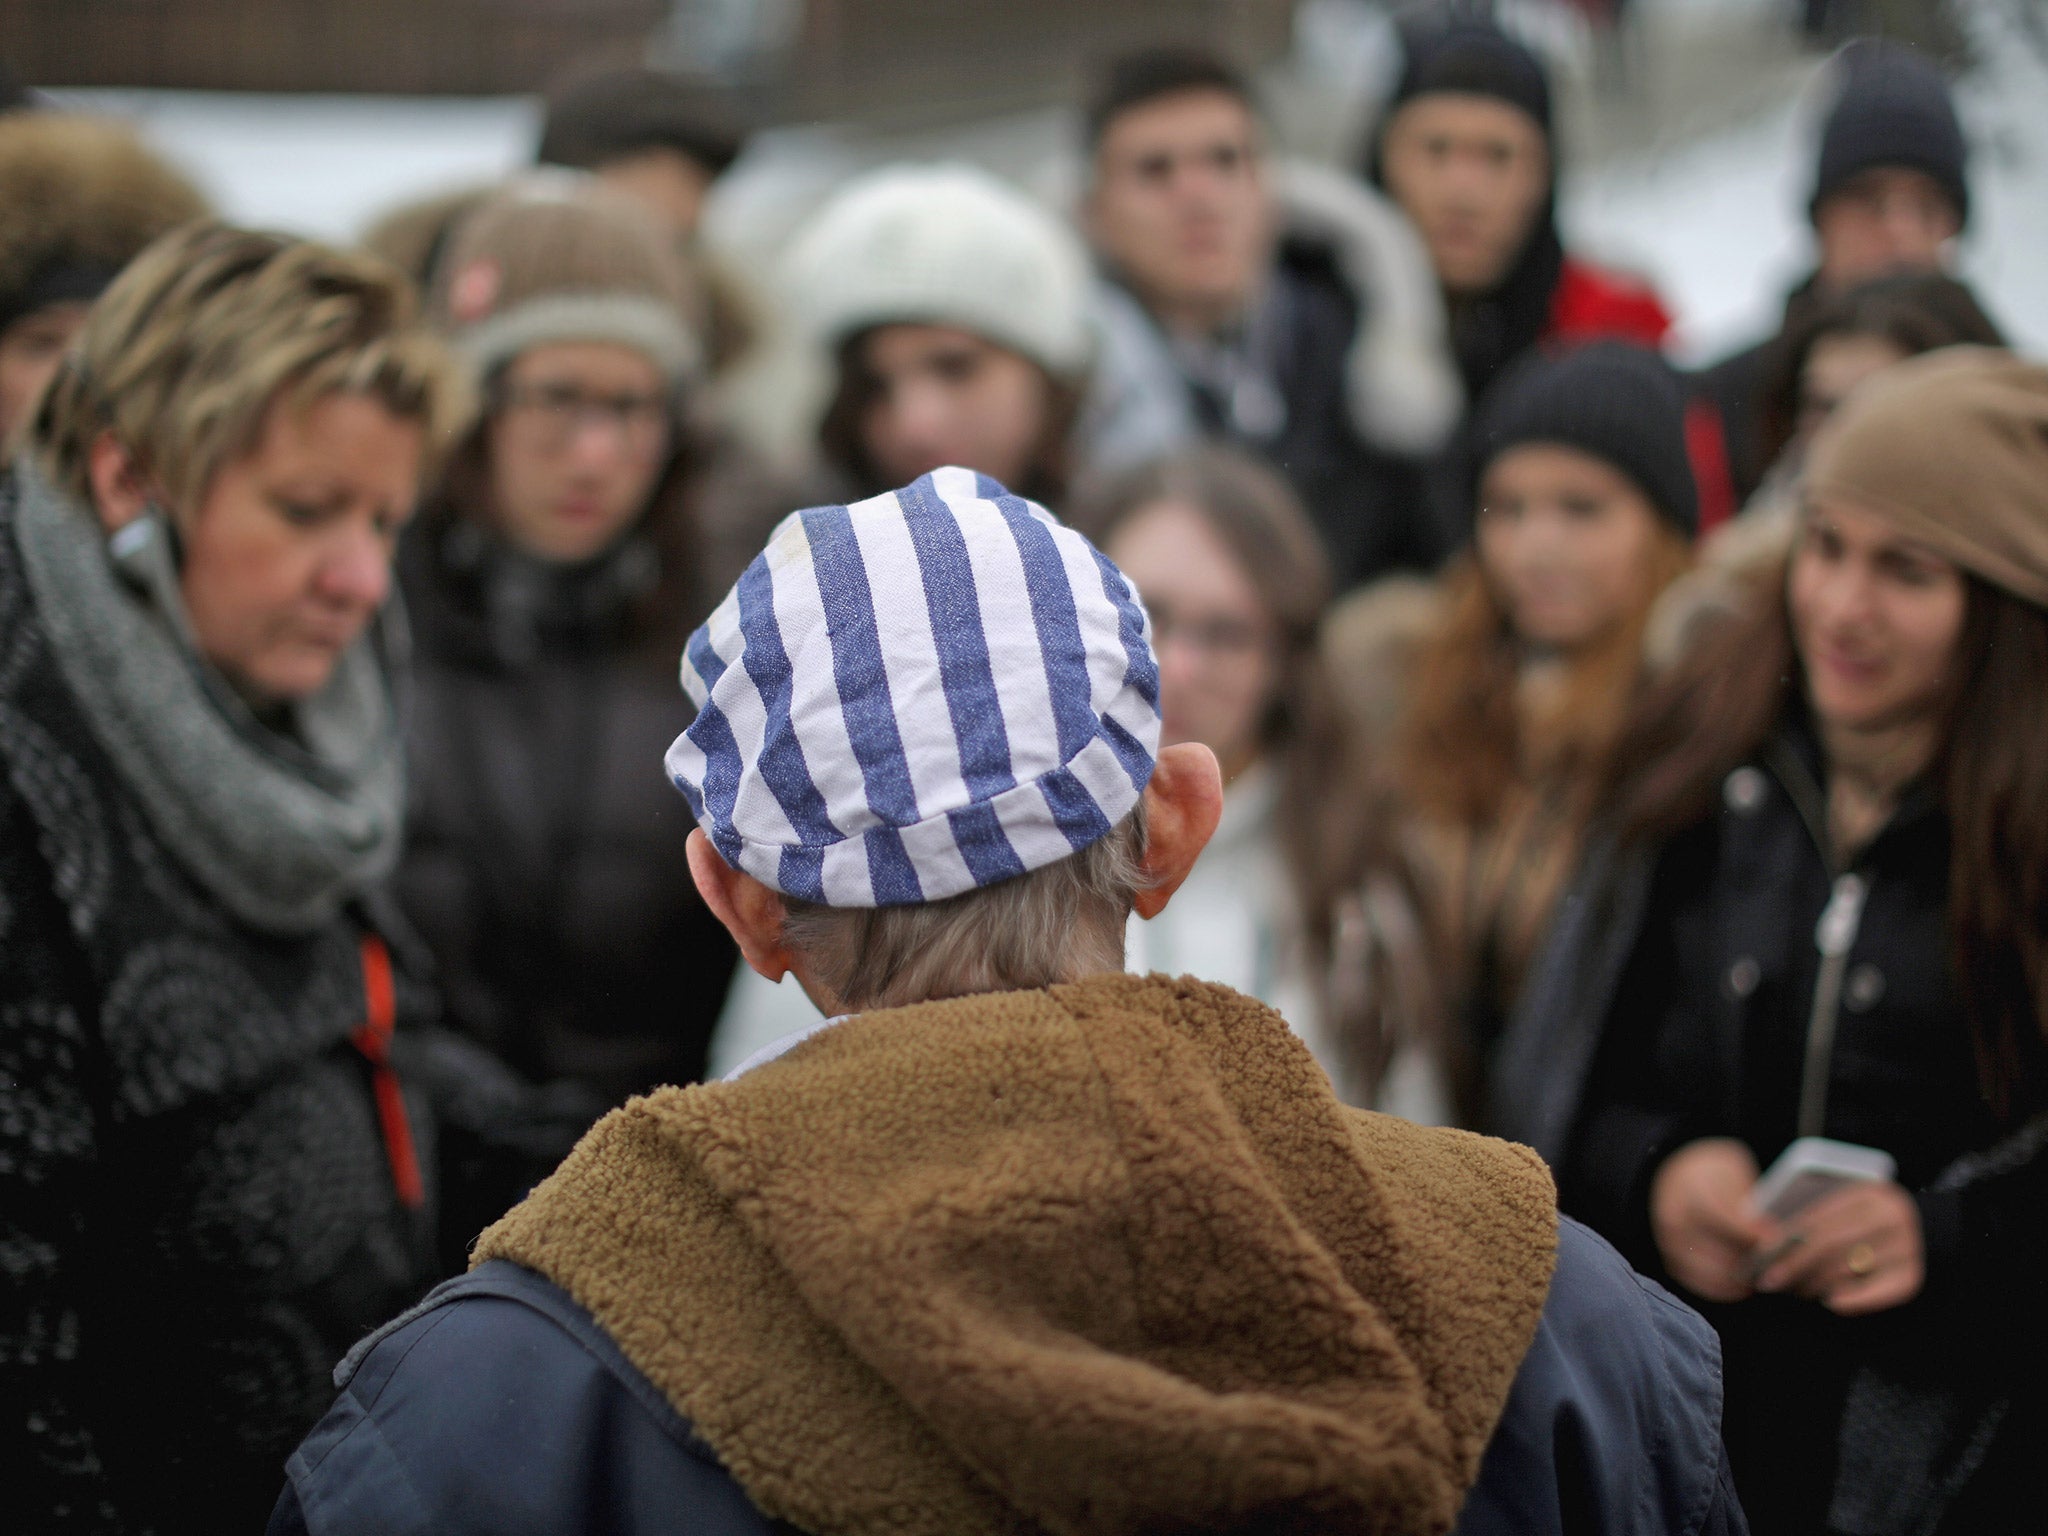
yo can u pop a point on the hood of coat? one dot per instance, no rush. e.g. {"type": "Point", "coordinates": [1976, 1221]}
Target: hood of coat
{"type": "Point", "coordinates": [1401, 380]}
{"type": "Point", "coordinates": [1104, 1257]}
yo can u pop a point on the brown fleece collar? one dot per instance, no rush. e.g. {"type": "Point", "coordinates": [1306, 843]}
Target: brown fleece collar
{"type": "Point", "coordinates": [1103, 1258]}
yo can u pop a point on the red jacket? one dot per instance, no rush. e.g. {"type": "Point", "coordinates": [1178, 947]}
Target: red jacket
{"type": "Point", "coordinates": [1588, 302]}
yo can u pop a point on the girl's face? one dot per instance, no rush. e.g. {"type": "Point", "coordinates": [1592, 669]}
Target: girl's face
{"type": "Point", "coordinates": [578, 441]}
{"type": "Point", "coordinates": [1878, 620]}
{"type": "Point", "coordinates": [1566, 542]}
{"type": "Point", "coordinates": [1835, 365]}
{"type": "Point", "coordinates": [937, 395]}
{"type": "Point", "coordinates": [1219, 665]}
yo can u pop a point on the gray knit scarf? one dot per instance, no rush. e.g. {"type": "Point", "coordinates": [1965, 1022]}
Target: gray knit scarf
{"type": "Point", "coordinates": [283, 832]}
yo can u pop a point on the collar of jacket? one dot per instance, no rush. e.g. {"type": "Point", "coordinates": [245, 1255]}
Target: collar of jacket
{"type": "Point", "coordinates": [495, 602]}
{"type": "Point", "coordinates": [1794, 757]}
{"type": "Point", "coordinates": [1103, 1257]}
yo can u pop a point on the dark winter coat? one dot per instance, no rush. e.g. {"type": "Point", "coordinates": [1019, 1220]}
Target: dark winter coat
{"type": "Point", "coordinates": [1106, 1256]}
{"type": "Point", "coordinates": [544, 861]}
{"type": "Point", "coordinates": [500, 1407]}
{"type": "Point", "coordinates": [1677, 997]}
{"type": "Point", "coordinates": [197, 1208]}
{"type": "Point", "coordinates": [1733, 389]}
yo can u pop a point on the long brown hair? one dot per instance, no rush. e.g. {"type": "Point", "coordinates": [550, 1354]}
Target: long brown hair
{"type": "Point", "coordinates": [1325, 821]}
{"type": "Point", "coordinates": [1716, 707]}
{"type": "Point", "coordinates": [1463, 746]}
{"type": "Point", "coordinates": [842, 439]}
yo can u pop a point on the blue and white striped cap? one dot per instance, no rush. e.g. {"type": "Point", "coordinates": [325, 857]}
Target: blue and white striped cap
{"type": "Point", "coordinates": [938, 688]}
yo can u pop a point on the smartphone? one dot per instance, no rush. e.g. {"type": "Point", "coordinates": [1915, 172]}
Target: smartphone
{"type": "Point", "coordinates": [1811, 1167]}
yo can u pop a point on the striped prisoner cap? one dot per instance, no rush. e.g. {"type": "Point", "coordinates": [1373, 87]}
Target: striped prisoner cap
{"type": "Point", "coordinates": [938, 688]}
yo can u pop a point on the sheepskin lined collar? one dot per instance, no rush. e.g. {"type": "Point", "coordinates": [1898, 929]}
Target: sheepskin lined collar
{"type": "Point", "coordinates": [1101, 1258]}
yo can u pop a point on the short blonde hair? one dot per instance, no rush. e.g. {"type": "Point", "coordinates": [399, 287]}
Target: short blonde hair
{"type": "Point", "coordinates": [184, 356]}
{"type": "Point", "coordinates": [1056, 923]}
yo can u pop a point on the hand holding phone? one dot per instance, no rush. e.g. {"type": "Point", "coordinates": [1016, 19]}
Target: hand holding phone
{"type": "Point", "coordinates": [1811, 1168]}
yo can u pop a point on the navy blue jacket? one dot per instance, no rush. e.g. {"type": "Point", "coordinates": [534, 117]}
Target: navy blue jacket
{"type": "Point", "coordinates": [499, 1406]}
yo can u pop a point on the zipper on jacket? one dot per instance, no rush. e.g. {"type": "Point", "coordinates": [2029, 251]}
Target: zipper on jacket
{"type": "Point", "coordinates": [1834, 935]}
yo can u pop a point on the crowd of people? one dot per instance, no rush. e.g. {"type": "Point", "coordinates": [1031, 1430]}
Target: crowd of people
{"type": "Point", "coordinates": [1309, 582]}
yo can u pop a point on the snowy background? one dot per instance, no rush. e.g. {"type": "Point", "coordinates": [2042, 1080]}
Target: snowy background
{"type": "Point", "coordinates": [1697, 179]}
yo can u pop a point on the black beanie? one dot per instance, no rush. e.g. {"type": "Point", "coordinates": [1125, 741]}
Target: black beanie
{"type": "Point", "coordinates": [1618, 402]}
{"type": "Point", "coordinates": [1893, 109]}
{"type": "Point", "coordinates": [1469, 55]}
{"type": "Point", "coordinates": [610, 115]}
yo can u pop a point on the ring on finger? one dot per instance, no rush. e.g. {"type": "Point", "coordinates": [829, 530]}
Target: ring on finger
{"type": "Point", "coordinates": [1860, 1260]}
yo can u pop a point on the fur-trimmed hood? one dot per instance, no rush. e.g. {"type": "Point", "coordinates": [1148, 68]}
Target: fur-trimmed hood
{"type": "Point", "coordinates": [1401, 391]}
{"type": "Point", "coordinates": [79, 193]}
{"type": "Point", "coordinates": [1401, 381]}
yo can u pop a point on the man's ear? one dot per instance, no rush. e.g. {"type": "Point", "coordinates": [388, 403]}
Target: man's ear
{"type": "Point", "coordinates": [752, 912]}
{"type": "Point", "coordinates": [1183, 803]}
{"type": "Point", "coordinates": [119, 493]}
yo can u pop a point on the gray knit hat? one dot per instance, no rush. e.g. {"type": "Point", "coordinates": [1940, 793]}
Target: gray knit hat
{"type": "Point", "coordinates": [557, 257]}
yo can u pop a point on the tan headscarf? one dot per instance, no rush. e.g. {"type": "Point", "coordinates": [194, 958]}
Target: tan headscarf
{"type": "Point", "coordinates": [1952, 447]}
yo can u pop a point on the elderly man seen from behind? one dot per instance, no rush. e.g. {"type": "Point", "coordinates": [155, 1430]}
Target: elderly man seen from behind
{"type": "Point", "coordinates": [1014, 1241]}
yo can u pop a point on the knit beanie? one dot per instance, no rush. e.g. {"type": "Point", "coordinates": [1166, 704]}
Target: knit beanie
{"type": "Point", "coordinates": [1950, 447]}
{"type": "Point", "coordinates": [613, 113]}
{"type": "Point", "coordinates": [556, 257]}
{"type": "Point", "coordinates": [1618, 402]}
{"type": "Point", "coordinates": [1892, 109]}
{"type": "Point", "coordinates": [945, 245]}
{"type": "Point", "coordinates": [79, 199]}
{"type": "Point", "coordinates": [1469, 55]}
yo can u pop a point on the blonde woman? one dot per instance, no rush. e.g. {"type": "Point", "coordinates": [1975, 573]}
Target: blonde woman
{"type": "Point", "coordinates": [216, 1164]}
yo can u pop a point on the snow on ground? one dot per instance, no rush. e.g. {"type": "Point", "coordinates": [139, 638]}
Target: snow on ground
{"type": "Point", "coordinates": [1718, 225]}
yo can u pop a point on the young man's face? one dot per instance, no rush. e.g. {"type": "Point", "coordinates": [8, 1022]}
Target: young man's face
{"type": "Point", "coordinates": [1889, 219]}
{"type": "Point", "coordinates": [1472, 174]}
{"type": "Point", "coordinates": [1180, 203]}
{"type": "Point", "coordinates": [668, 183]}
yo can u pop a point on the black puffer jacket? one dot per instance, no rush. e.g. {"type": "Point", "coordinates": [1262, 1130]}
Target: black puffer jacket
{"type": "Point", "coordinates": [544, 862]}
{"type": "Point", "coordinates": [1676, 998]}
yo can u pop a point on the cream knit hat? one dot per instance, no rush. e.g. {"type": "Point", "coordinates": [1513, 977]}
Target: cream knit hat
{"type": "Point", "coordinates": [944, 245]}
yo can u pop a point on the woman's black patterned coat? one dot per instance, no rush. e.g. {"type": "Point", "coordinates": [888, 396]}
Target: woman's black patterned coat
{"type": "Point", "coordinates": [197, 1212]}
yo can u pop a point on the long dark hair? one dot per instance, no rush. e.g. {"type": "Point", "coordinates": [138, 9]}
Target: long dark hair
{"type": "Point", "coordinates": [1715, 708]}
{"type": "Point", "coordinates": [1914, 311]}
{"type": "Point", "coordinates": [843, 442]}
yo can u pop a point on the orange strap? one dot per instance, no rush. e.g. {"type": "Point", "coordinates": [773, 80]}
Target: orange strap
{"type": "Point", "coordinates": [374, 1041]}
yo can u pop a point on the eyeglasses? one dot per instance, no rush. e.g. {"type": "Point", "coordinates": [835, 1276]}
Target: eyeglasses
{"type": "Point", "coordinates": [559, 413]}
{"type": "Point", "coordinates": [1212, 637]}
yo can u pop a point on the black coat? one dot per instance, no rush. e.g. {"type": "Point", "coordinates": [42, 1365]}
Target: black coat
{"type": "Point", "coordinates": [1673, 1001]}
{"type": "Point", "coordinates": [501, 1407]}
{"type": "Point", "coordinates": [1366, 503]}
{"type": "Point", "coordinates": [1735, 387]}
{"type": "Point", "coordinates": [197, 1213]}
{"type": "Point", "coordinates": [544, 862]}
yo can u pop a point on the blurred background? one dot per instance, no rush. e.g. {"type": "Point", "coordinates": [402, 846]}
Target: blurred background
{"type": "Point", "coordinates": [1687, 124]}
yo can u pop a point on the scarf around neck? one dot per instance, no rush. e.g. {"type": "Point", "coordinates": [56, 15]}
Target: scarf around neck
{"type": "Point", "coordinates": [1101, 1258]}
{"type": "Point", "coordinates": [283, 834]}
